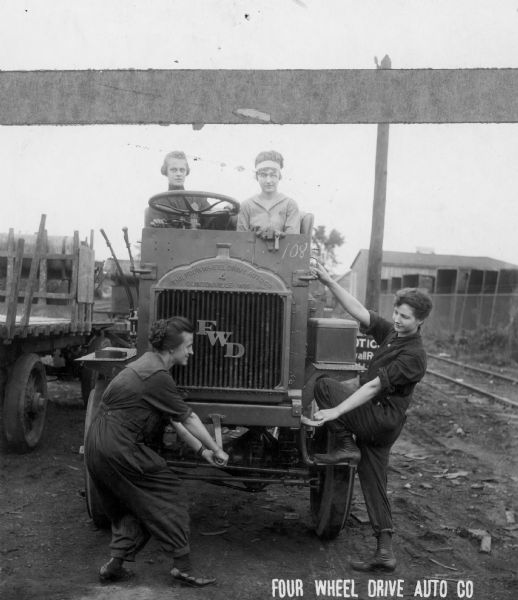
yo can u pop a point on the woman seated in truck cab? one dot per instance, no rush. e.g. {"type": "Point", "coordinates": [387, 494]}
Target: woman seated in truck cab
{"type": "Point", "coordinates": [176, 168]}
{"type": "Point", "coordinates": [270, 212]}
{"type": "Point", "coordinates": [180, 207]}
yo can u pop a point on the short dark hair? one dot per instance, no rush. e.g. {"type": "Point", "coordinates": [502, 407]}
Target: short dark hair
{"type": "Point", "coordinates": [166, 334]}
{"type": "Point", "coordinates": [174, 154]}
{"type": "Point", "coordinates": [270, 155]}
{"type": "Point", "coordinates": [417, 299]}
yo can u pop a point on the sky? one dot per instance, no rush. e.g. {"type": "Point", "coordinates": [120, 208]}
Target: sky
{"type": "Point", "coordinates": [451, 188]}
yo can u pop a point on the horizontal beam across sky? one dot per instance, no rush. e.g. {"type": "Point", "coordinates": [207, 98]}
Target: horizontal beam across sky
{"type": "Point", "coordinates": [258, 96]}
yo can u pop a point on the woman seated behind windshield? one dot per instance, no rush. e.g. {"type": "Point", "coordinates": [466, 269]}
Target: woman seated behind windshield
{"type": "Point", "coordinates": [269, 212]}
{"type": "Point", "coordinates": [176, 168]}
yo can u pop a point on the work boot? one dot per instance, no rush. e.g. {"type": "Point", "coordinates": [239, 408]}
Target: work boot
{"type": "Point", "coordinates": [182, 572]}
{"type": "Point", "coordinates": [344, 452]}
{"type": "Point", "coordinates": [114, 571]}
{"type": "Point", "coordinates": [383, 559]}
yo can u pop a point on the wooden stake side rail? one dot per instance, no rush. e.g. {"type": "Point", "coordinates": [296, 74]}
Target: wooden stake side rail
{"type": "Point", "coordinates": [46, 293]}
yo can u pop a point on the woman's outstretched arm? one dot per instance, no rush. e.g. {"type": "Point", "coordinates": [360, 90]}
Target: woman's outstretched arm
{"type": "Point", "coordinates": [353, 306]}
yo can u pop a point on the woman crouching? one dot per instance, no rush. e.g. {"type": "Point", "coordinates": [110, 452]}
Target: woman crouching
{"type": "Point", "coordinates": [139, 493]}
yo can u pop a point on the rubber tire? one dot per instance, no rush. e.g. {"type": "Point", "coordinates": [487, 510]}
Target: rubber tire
{"type": "Point", "coordinates": [23, 432]}
{"type": "Point", "coordinates": [93, 500]}
{"type": "Point", "coordinates": [330, 501]}
{"type": "Point", "coordinates": [88, 376]}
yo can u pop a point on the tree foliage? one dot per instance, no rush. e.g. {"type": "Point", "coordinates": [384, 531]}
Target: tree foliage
{"type": "Point", "coordinates": [325, 245]}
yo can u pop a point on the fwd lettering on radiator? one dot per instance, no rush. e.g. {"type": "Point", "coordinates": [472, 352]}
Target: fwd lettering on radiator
{"type": "Point", "coordinates": [208, 328]}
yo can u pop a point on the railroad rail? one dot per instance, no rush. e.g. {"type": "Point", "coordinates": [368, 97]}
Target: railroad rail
{"type": "Point", "coordinates": [473, 386]}
{"type": "Point", "coordinates": [492, 374]}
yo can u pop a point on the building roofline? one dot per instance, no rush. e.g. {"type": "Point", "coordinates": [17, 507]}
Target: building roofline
{"type": "Point", "coordinates": [396, 257]}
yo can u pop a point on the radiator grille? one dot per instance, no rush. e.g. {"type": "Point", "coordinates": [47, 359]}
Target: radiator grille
{"type": "Point", "coordinates": [254, 320]}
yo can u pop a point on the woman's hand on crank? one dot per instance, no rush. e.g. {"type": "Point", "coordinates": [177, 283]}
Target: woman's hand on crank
{"type": "Point", "coordinates": [220, 457]}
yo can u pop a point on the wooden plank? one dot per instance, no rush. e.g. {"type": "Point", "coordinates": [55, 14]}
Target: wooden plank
{"type": "Point", "coordinates": [73, 283]}
{"type": "Point", "coordinates": [12, 299]}
{"type": "Point", "coordinates": [43, 270]}
{"type": "Point", "coordinates": [33, 274]}
{"type": "Point", "coordinates": [62, 263]}
{"type": "Point", "coordinates": [9, 268]}
{"type": "Point", "coordinates": [61, 312]}
{"type": "Point", "coordinates": [41, 320]}
{"type": "Point", "coordinates": [52, 295]}
{"type": "Point", "coordinates": [85, 282]}
{"type": "Point", "coordinates": [81, 316]}
{"type": "Point", "coordinates": [49, 256]}
{"type": "Point", "coordinates": [276, 96]}
{"type": "Point", "coordinates": [57, 244]}
{"type": "Point", "coordinates": [10, 256]}
{"type": "Point", "coordinates": [89, 316]}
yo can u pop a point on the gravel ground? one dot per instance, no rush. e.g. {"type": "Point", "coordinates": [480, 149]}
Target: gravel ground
{"type": "Point", "coordinates": [454, 476]}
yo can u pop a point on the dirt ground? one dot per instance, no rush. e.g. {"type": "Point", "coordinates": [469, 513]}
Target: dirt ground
{"type": "Point", "coordinates": [454, 471]}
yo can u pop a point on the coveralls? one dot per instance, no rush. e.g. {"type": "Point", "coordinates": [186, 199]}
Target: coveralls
{"type": "Point", "coordinates": [400, 363]}
{"type": "Point", "coordinates": [139, 493]}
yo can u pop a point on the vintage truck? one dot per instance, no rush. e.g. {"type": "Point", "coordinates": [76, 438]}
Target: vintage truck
{"type": "Point", "coordinates": [260, 343]}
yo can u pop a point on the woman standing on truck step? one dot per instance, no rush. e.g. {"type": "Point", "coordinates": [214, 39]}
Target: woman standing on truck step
{"type": "Point", "coordinates": [269, 212]}
{"type": "Point", "coordinates": [375, 411]}
{"type": "Point", "coordinates": [139, 493]}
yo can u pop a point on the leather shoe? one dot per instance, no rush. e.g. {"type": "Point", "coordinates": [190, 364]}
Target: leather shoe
{"type": "Point", "coordinates": [383, 560]}
{"type": "Point", "coordinates": [345, 451]}
{"type": "Point", "coordinates": [191, 580]}
{"type": "Point", "coordinates": [112, 571]}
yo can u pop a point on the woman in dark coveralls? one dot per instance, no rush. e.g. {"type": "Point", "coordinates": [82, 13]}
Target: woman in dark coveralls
{"type": "Point", "coordinates": [139, 493]}
{"type": "Point", "coordinates": [375, 411]}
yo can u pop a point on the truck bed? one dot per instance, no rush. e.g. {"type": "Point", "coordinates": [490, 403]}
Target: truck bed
{"type": "Point", "coordinates": [37, 326]}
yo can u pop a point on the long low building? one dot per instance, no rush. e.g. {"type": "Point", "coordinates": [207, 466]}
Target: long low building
{"type": "Point", "coordinates": [469, 292]}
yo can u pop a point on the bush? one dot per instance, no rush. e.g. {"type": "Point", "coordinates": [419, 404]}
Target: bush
{"type": "Point", "coordinates": [489, 345]}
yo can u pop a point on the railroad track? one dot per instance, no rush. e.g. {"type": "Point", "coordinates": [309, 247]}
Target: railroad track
{"type": "Point", "coordinates": [493, 374]}
{"type": "Point", "coordinates": [499, 387]}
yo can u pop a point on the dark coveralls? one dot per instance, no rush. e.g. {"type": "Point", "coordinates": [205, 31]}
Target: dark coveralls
{"type": "Point", "coordinates": [400, 363]}
{"type": "Point", "coordinates": [139, 493]}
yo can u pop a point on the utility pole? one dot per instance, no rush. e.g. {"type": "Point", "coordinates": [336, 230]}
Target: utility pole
{"type": "Point", "coordinates": [372, 293]}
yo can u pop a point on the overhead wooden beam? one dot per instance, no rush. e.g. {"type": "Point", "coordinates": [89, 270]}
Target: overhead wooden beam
{"type": "Point", "coordinates": [251, 96]}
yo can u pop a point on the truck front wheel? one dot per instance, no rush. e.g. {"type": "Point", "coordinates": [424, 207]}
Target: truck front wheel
{"type": "Point", "coordinates": [330, 500]}
{"type": "Point", "coordinates": [93, 501]}
{"type": "Point", "coordinates": [331, 493]}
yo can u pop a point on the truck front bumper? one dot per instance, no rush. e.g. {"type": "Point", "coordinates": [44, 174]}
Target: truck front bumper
{"type": "Point", "coordinates": [279, 415]}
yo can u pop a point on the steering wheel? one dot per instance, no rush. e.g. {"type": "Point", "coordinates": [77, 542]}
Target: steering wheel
{"type": "Point", "coordinates": [189, 195]}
